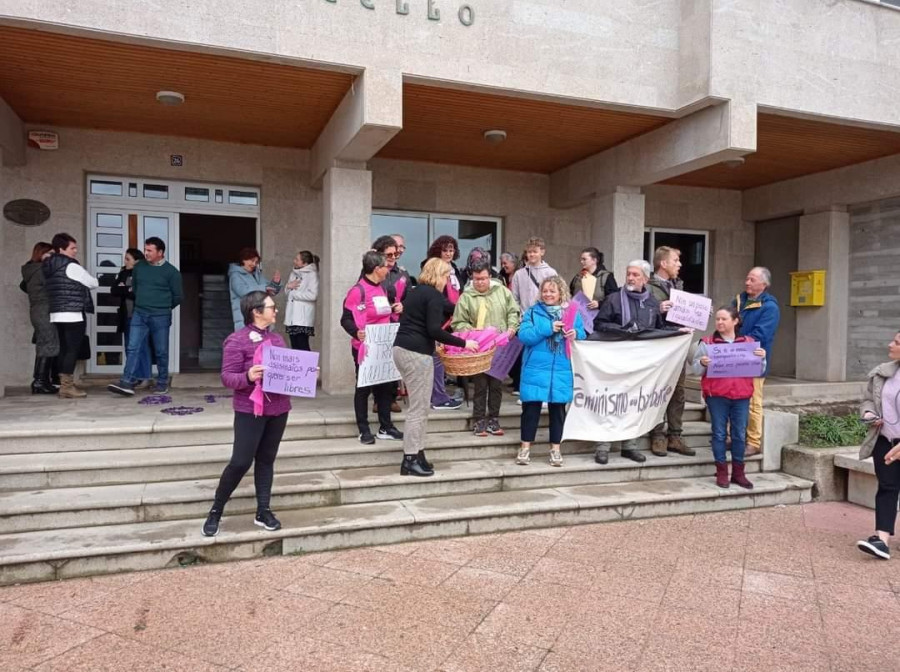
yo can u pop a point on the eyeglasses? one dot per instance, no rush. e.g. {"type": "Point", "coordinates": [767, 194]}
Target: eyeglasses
{"type": "Point", "coordinates": [265, 307]}
{"type": "Point", "coordinates": [391, 255]}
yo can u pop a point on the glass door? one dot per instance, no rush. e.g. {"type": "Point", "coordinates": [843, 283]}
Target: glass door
{"type": "Point", "coordinates": [111, 231]}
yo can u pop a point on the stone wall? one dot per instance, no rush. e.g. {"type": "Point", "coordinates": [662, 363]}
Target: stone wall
{"type": "Point", "coordinates": [290, 210]}
{"type": "Point", "coordinates": [874, 306]}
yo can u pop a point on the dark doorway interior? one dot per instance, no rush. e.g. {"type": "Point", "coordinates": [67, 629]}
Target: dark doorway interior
{"type": "Point", "coordinates": [208, 244]}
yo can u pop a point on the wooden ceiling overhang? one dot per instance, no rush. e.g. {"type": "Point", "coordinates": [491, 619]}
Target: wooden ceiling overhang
{"type": "Point", "coordinates": [65, 80]}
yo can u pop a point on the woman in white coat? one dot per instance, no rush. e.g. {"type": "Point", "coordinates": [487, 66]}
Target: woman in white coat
{"type": "Point", "coordinates": [303, 290]}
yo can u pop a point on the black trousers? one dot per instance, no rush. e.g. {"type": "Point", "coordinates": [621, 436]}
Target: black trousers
{"type": "Point", "coordinates": [516, 372]}
{"type": "Point", "coordinates": [488, 393]}
{"type": "Point", "coordinates": [384, 395]}
{"type": "Point", "coordinates": [531, 416]}
{"type": "Point", "coordinates": [886, 498]}
{"type": "Point", "coordinates": [255, 439]}
{"type": "Point", "coordinates": [70, 337]}
{"type": "Point", "coordinates": [300, 341]}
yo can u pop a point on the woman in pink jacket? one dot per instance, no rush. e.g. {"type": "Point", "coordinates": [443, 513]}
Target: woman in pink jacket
{"type": "Point", "coordinates": [258, 428]}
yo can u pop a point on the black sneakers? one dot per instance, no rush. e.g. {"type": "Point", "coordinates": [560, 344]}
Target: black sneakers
{"type": "Point", "coordinates": [121, 388]}
{"type": "Point", "coordinates": [211, 526]}
{"type": "Point", "coordinates": [366, 438]}
{"type": "Point", "coordinates": [267, 519]}
{"type": "Point", "coordinates": [875, 546]}
{"type": "Point", "coordinates": [390, 434]}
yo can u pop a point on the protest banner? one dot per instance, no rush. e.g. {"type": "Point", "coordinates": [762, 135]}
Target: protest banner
{"type": "Point", "coordinates": [689, 310]}
{"type": "Point", "coordinates": [378, 365]}
{"type": "Point", "coordinates": [587, 314]}
{"type": "Point", "coordinates": [292, 372]}
{"type": "Point", "coordinates": [733, 360]}
{"type": "Point", "coordinates": [622, 388]}
{"type": "Point", "coordinates": [504, 359]}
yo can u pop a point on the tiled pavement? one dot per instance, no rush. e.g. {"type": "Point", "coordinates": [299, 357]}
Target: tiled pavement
{"type": "Point", "coordinates": [768, 590]}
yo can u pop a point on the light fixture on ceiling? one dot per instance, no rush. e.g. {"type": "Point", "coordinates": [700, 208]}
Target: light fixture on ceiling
{"type": "Point", "coordinates": [170, 98]}
{"type": "Point", "coordinates": [736, 162]}
{"type": "Point", "coordinates": [494, 136]}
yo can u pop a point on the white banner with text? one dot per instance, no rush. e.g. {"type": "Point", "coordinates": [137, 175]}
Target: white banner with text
{"type": "Point", "coordinates": [622, 388]}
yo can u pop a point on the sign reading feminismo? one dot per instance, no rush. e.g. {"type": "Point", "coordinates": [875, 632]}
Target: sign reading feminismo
{"type": "Point", "coordinates": [465, 13]}
{"type": "Point", "coordinates": [622, 388]}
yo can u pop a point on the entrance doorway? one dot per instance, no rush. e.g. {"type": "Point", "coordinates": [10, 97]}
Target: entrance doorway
{"type": "Point", "coordinates": [212, 221]}
{"type": "Point", "coordinates": [208, 244]}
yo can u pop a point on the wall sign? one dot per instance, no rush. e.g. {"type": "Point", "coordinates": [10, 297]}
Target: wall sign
{"type": "Point", "coordinates": [465, 13]}
{"type": "Point", "coordinates": [26, 212]}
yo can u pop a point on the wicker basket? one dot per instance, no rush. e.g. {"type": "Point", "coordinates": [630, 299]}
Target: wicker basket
{"type": "Point", "coordinates": [466, 364]}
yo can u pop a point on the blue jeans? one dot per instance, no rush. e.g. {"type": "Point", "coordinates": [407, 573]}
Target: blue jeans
{"type": "Point", "coordinates": [722, 410]}
{"type": "Point", "coordinates": [144, 327]}
{"type": "Point", "coordinates": [142, 370]}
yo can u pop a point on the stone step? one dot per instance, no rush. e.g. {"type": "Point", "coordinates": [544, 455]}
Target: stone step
{"type": "Point", "coordinates": [80, 433]}
{"type": "Point", "coordinates": [84, 551]}
{"type": "Point", "coordinates": [109, 467]}
{"type": "Point", "coordinates": [22, 511]}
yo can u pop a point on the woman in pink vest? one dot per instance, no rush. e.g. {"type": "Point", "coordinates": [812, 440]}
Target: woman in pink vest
{"type": "Point", "coordinates": [727, 399]}
{"type": "Point", "coordinates": [367, 303]}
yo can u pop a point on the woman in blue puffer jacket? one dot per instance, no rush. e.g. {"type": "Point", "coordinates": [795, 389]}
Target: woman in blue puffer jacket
{"type": "Point", "coordinates": [546, 368]}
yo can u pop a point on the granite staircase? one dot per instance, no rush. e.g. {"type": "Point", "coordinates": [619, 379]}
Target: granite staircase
{"type": "Point", "coordinates": [76, 502]}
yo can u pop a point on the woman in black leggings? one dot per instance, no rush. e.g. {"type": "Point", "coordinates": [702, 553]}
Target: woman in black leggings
{"type": "Point", "coordinates": [257, 428]}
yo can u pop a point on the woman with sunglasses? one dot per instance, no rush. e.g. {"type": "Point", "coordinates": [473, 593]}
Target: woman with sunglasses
{"type": "Point", "coordinates": [257, 432]}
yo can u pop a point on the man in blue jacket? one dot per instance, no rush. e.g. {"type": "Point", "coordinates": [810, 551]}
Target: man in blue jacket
{"type": "Point", "coordinates": [759, 320]}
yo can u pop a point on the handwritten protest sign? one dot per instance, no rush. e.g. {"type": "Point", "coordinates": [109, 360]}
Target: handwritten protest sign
{"type": "Point", "coordinates": [733, 360]}
{"type": "Point", "coordinates": [689, 310]}
{"type": "Point", "coordinates": [378, 366]}
{"type": "Point", "coordinates": [292, 372]}
{"type": "Point", "coordinates": [504, 359]}
{"type": "Point", "coordinates": [587, 314]}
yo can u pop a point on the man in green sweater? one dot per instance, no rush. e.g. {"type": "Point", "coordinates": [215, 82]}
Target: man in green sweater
{"type": "Point", "coordinates": [157, 292]}
{"type": "Point", "coordinates": [486, 302]}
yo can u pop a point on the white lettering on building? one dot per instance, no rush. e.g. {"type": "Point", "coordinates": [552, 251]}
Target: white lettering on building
{"type": "Point", "coordinates": [466, 13]}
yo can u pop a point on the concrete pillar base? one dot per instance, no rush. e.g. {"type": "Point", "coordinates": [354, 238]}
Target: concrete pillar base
{"type": "Point", "coordinates": [618, 228]}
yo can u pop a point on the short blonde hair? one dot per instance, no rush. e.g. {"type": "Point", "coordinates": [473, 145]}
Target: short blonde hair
{"type": "Point", "coordinates": [561, 285]}
{"type": "Point", "coordinates": [662, 253]}
{"type": "Point", "coordinates": [433, 270]}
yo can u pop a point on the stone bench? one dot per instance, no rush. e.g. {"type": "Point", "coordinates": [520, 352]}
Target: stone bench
{"type": "Point", "coordinates": [861, 482]}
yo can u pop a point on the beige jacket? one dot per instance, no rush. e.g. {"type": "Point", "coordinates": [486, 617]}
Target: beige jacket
{"type": "Point", "coordinates": [872, 403]}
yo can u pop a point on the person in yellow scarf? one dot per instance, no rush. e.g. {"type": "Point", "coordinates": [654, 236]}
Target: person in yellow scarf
{"type": "Point", "coordinates": [486, 302]}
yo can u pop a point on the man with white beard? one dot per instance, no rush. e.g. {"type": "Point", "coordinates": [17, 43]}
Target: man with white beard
{"type": "Point", "coordinates": [632, 309]}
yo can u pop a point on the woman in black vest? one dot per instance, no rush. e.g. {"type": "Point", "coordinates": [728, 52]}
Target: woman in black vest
{"type": "Point", "coordinates": [69, 290]}
{"type": "Point", "coordinates": [46, 340]}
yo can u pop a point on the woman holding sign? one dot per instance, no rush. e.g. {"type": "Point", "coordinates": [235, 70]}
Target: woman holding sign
{"type": "Point", "coordinates": [259, 419]}
{"type": "Point", "coordinates": [421, 324]}
{"type": "Point", "coordinates": [547, 330]}
{"type": "Point", "coordinates": [367, 303]}
{"type": "Point", "coordinates": [594, 281]}
{"type": "Point", "coordinates": [727, 398]}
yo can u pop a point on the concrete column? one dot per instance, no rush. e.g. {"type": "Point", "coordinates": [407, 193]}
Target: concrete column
{"type": "Point", "coordinates": [822, 331]}
{"type": "Point", "coordinates": [617, 227]}
{"type": "Point", "coordinates": [347, 213]}
{"type": "Point", "coordinates": [12, 137]}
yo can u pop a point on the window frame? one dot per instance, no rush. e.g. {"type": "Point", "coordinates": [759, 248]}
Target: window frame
{"type": "Point", "coordinates": [653, 230]}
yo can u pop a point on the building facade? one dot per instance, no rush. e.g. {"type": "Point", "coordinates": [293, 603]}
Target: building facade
{"type": "Point", "coordinates": [742, 131]}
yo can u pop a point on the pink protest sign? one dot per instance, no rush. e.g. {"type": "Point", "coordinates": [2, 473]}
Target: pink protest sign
{"type": "Point", "coordinates": [504, 358]}
{"type": "Point", "coordinates": [733, 360]}
{"type": "Point", "coordinates": [587, 314]}
{"type": "Point", "coordinates": [292, 372]}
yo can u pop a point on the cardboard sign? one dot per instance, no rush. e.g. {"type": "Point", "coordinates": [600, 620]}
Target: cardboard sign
{"type": "Point", "coordinates": [587, 314]}
{"type": "Point", "coordinates": [689, 310]}
{"type": "Point", "coordinates": [733, 360]}
{"type": "Point", "coordinates": [292, 372]}
{"type": "Point", "coordinates": [378, 365]}
{"type": "Point", "coordinates": [504, 359]}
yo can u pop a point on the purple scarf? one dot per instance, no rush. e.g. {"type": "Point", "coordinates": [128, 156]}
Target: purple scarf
{"type": "Point", "coordinates": [640, 297]}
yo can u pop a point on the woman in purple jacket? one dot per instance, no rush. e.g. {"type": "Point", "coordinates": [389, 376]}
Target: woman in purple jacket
{"type": "Point", "coordinates": [257, 435]}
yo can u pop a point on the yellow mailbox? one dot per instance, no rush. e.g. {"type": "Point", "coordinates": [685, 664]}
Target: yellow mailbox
{"type": "Point", "coordinates": [808, 288]}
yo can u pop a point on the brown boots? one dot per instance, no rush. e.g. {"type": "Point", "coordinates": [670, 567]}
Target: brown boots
{"type": "Point", "coordinates": [722, 474]}
{"type": "Point", "coordinates": [662, 446]}
{"type": "Point", "coordinates": [677, 445]}
{"type": "Point", "coordinates": [67, 389]}
{"type": "Point", "coordinates": [658, 445]}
